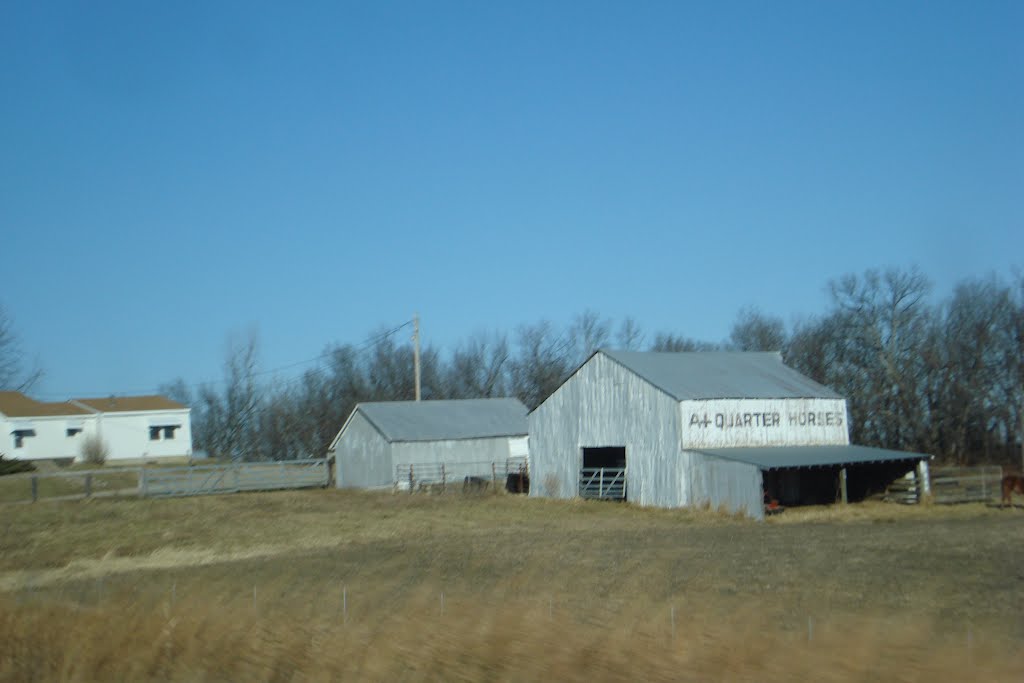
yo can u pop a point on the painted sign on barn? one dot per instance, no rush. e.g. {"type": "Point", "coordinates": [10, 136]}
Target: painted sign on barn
{"type": "Point", "coordinates": [732, 423]}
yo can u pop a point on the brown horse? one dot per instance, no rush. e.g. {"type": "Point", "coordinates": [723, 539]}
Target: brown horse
{"type": "Point", "coordinates": [1012, 483]}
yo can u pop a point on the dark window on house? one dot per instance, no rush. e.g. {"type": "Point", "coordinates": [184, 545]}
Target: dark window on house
{"type": "Point", "coordinates": [168, 432]}
{"type": "Point", "coordinates": [72, 431]}
{"type": "Point", "coordinates": [20, 435]}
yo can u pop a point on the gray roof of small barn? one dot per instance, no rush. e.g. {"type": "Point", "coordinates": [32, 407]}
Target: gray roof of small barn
{"type": "Point", "coordinates": [789, 457]}
{"type": "Point", "coordinates": [477, 418]}
{"type": "Point", "coordinates": [720, 374]}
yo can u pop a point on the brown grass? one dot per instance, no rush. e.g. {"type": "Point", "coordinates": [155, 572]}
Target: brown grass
{"type": "Point", "coordinates": [252, 587]}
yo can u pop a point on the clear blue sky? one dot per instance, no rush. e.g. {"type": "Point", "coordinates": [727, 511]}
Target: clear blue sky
{"type": "Point", "coordinates": [174, 172]}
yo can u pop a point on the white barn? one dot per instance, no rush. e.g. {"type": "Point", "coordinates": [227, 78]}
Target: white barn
{"type": "Point", "coordinates": [133, 428]}
{"type": "Point", "coordinates": [466, 436]}
{"type": "Point", "coordinates": [718, 429]}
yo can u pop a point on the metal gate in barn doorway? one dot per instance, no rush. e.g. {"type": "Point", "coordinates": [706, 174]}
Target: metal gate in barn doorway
{"type": "Point", "coordinates": [603, 475]}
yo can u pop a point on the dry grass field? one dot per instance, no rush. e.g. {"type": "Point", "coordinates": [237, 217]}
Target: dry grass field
{"type": "Point", "coordinates": [326, 585]}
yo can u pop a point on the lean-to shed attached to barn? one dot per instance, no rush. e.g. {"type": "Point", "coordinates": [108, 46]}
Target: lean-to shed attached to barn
{"type": "Point", "coordinates": [469, 437]}
{"type": "Point", "coordinates": [721, 429]}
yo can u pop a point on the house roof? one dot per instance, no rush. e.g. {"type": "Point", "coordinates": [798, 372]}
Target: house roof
{"type": "Point", "coordinates": [446, 420]}
{"type": "Point", "coordinates": [130, 404]}
{"type": "Point", "coordinates": [17, 404]}
{"type": "Point", "coordinates": [789, 457]}
{"type": "Point", "coordinates": [720, 374]}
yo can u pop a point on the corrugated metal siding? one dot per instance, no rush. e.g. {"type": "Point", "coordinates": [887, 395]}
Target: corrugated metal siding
{"type": "Point", "coordinates": [455, 452]}
{"type": "Point", "coordinates": [722, 484]}
{"type": "Point", "coordinates": [604, 404]}
{"type": "Point", "coordinates": [734, 423]}
{"type": "Point", "coordinates": [362, 456]}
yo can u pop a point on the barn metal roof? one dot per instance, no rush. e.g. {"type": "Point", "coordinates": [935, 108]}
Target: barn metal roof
{"type": "Point", "coordinates": [788, 457]}
{"type": "Point", "coordinates": [447, 420]}
{"type": "Point", "coordinates": [720, 374]}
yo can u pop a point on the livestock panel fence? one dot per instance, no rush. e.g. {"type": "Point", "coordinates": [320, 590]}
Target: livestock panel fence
{"type": "Point", "coordinates": [951, 485]}
{"type": "Point", "coordinates": [233, 478]}
{"type": "Point", "coordinates": [149, 481]}
{"type": "Point", "coordinates": [444, 477]}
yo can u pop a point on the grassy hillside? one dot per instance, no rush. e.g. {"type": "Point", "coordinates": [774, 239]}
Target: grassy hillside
{"type": "Point", "coordinates": [322, 585]}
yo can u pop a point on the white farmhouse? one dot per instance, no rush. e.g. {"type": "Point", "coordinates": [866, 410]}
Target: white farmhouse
{"type": "Point", "coordinates": [466, 436]}
{"type": "Point", "coordinates": [133, 428]}
{"type": "Point", "coordinates": [714, 429]}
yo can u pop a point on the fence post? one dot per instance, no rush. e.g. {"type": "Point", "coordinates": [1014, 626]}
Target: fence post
{"type": "Point", "coordinates": [494, 478]}
{"type": "Point", "coordinates": [35, 488]}
{"type": "Point", "coordinates": [444, 480]}
{"type": "Point", "coordinates": [412, 480]}
{"type": "Point", "coordinates": [842, 485]}
{"type": "Point", "coordinates": [142, 482]}
{"type": "Point", "coordinates": [600, 483]}
{"type": "Point", "coordinates": [88, 484]}
{"type": "Point", "coordinates": [238, 484]}
{"type": "Point", "coordinates": [924, 481]}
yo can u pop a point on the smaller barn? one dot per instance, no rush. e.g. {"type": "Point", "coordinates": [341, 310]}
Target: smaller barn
{"type": "Point", "coordinates": [383, 444]}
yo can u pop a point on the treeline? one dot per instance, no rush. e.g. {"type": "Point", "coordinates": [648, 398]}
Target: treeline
{"type": "Point", "coordinates": [943, 378]}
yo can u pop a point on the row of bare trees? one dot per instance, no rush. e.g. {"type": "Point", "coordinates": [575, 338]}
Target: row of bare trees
{"type": "Point", "coordinates": [942, 378]}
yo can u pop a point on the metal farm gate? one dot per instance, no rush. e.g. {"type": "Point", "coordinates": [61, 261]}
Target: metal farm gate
{"type": "Point", "coordinates": [603, 483]}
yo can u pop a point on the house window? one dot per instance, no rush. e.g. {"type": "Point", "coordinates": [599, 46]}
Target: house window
{"type": "Point", "coordinates": [168, 432]}
{"type": "Point", "coordinates": [20, 435]}
{"type": "Point", "coordinates": [73, 431]}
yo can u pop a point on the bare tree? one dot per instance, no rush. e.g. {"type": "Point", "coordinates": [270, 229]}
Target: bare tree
{"type": "Point", "coordinates": [226, 425]}
{"type": "Point", "coordinates": [810, 348]}
{"type": "Point", "coordinates": [479, 367]}
{"type": "Point", "coordinates": [880, 323]}
{"type": "Point", "coordinates": [629, 337]}
{"type": "Point", "coordinates": [675, 343]}
{"type": "Point", "coordinates": [14, 374]}
{"type": "Point", "coordinates": [980, 374]}
{"type": "Point", "coordinates": [177, 390]}
{"type": "Point", "coordinates": [588, 333]}
{"type": "Point", "coordinates": [755, 331]}
{"type": "Point", "coordinates": [543, 361]}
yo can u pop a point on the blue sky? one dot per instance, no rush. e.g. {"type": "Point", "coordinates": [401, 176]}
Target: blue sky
{"type": "Point", "coordinates": [172, 173]}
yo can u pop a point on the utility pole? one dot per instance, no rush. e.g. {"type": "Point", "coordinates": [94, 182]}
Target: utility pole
{"type": "Point", "coordinates": [416, 351]}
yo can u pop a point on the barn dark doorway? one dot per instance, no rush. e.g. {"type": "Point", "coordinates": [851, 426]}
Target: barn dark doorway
{"type": "Point", "coordinates": [606, 456]}
{"type": "Point", "coordinates": [821, 485]}
{"type": "Point", "coordinates": [603, 475]}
